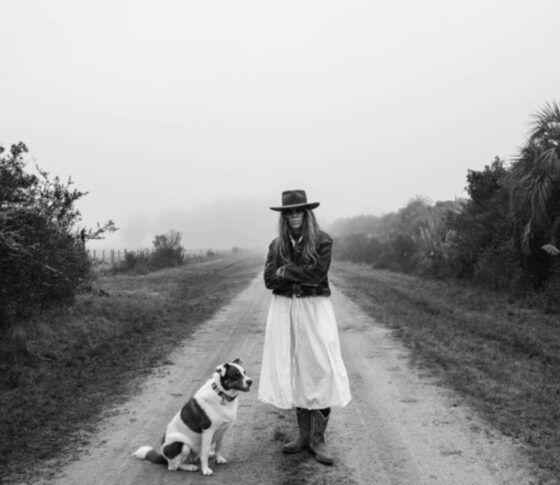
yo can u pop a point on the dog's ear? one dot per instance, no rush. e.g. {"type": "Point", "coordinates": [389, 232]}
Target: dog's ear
{"type": "Point", "coordinates": [238, 361]}
{"type": "Point", "coordinates": [221, 369]}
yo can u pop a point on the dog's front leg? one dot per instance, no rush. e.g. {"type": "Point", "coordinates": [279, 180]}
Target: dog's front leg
{"type": "Point", "coordinates": [205, 447]}
{"type": "Point", "coordinates": [219, 436]}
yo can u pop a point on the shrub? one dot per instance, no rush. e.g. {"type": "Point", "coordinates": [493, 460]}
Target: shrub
{"type": "Point", "coordinates": [547, 298]}
{"type": "Point", "coordinates": [42, 250]}
{"type": "Point", "coordinates": [498, 268]}
{"type": "Point", "coordinates": [138, 262]}
{"type": "Point", "coordinates": [168, 250]}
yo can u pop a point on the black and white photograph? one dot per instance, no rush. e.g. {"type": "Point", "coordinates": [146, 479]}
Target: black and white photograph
{"type": "Point", "coordinates": [281, 243]}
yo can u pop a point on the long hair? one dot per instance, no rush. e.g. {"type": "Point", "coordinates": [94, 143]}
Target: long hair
{"type": "Point", "coordinates": [309, 230]}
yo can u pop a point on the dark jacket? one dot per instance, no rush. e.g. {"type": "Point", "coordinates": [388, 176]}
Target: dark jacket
{"type": "Point", "coordinates": [300, 279]}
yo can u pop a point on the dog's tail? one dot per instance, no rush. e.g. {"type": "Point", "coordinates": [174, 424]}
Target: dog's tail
{"type": "Point", "coordinates": [148, 453]}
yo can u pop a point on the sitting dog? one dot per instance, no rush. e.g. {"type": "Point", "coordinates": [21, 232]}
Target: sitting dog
{"type": "Point", "coordinates": [199, 427]}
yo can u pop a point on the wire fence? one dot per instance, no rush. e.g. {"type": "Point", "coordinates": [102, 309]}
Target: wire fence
{"type": "Point", "coordinates": [111, 257]}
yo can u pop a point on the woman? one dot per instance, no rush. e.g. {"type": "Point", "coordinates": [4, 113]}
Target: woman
{"type": "Point", "coordinates": [302, 366]}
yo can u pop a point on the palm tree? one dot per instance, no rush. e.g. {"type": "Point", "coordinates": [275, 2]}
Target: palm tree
{"type": "Point", "coordinates": [536, 181]}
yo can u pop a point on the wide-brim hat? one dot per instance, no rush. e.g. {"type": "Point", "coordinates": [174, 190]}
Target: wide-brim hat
{"type": "Point", "coordinates": [293, 199]}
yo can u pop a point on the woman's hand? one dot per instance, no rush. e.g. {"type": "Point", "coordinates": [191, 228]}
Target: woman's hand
{"type": "Point", "coordinates": [281, 271]}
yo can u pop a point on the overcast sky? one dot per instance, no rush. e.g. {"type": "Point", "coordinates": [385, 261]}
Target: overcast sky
{"type": "Point", "coordinates": [195, 115]}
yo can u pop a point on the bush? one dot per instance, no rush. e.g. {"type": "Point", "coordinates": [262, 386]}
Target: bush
{"type": "Point", "coordinates": [547, 298]}
{"type": "Point", "coordinates": [168, 250]}
{"type": "Point", "coordinates": [138, 262]}
{"type": "Point", "coordinates": [498, 268]}
{"type": "Point", "coordinates": [43, 259]}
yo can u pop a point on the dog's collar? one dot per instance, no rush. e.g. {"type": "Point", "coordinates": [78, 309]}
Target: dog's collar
{"type": "Point", "coordinates": [222, 394]}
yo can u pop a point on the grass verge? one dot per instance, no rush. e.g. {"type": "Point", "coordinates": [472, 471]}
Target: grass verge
{"type": "Point", "coordinates": [502, 358]}
{"type": "Point", "coordinates": [57, 372]}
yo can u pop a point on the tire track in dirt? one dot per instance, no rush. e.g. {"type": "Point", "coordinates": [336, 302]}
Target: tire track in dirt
{"type": "Point", "coordinates": [400, 428]}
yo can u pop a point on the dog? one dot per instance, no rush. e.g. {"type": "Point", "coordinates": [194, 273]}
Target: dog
{"type": "Point", "coordinates": [197, 430]}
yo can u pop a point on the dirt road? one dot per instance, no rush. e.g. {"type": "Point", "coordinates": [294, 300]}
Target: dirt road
{"type": "Point", "coordinates": [400, 427]}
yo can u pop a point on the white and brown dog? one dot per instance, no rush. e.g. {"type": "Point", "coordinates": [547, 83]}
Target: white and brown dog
{"type": "Point", "coordinates": [199, 427]}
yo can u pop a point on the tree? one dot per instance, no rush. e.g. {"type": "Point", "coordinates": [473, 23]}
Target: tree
{"type": "Point", "coordinates": [536, 195]}
{"type": "Point", "coordinates": [407, 232]}
{"type": "Point", "coordinates": [536, 182]}
{"type": "Point", "coordinates": [168, 250]}
{"type": "Point", "coordinates": [43, 258]}
{"type": "Point", "coordinates": [482, 232]}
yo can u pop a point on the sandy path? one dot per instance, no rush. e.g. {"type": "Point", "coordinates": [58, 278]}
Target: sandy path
{"type": "Point", "coordinates": [399, 429]}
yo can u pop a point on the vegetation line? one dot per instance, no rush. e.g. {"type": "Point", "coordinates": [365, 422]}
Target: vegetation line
{"type": "Point", "coordinates": [505, 236]}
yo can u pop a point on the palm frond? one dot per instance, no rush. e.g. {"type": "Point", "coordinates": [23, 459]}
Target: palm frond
{"type": "Point", "coordinates": [551, 249]}
{"type": "Point", "coordinates": [546, 125]}
{"type": "Point", "coordinates": [526, 238]}
{"type": "Point", "coordinates": [549, 161]}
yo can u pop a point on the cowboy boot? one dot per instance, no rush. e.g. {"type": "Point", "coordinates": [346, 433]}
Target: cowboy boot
{"type": "Point", "coordinates": [319, 421]}
{"type": "Point", "coordinates": [301, 442]}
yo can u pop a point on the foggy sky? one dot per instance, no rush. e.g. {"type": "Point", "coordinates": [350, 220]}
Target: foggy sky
{"type": "Point", "coordinates": [195, 116]}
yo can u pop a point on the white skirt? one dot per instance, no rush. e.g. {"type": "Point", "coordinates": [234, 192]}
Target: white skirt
{"type": "Point", "coordinates": [302, 365]}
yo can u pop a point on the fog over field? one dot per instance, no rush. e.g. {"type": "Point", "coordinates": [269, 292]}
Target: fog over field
{"type": "Point", "coordinates": [194, 116]}
{"type": "Point", "coordinates": [220, 225]}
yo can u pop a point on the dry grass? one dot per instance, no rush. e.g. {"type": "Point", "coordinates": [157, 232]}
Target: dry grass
{"type": "Point", "coordinates": [57, 372]}
{"type": "Point", "coordinates": [502, 358]}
